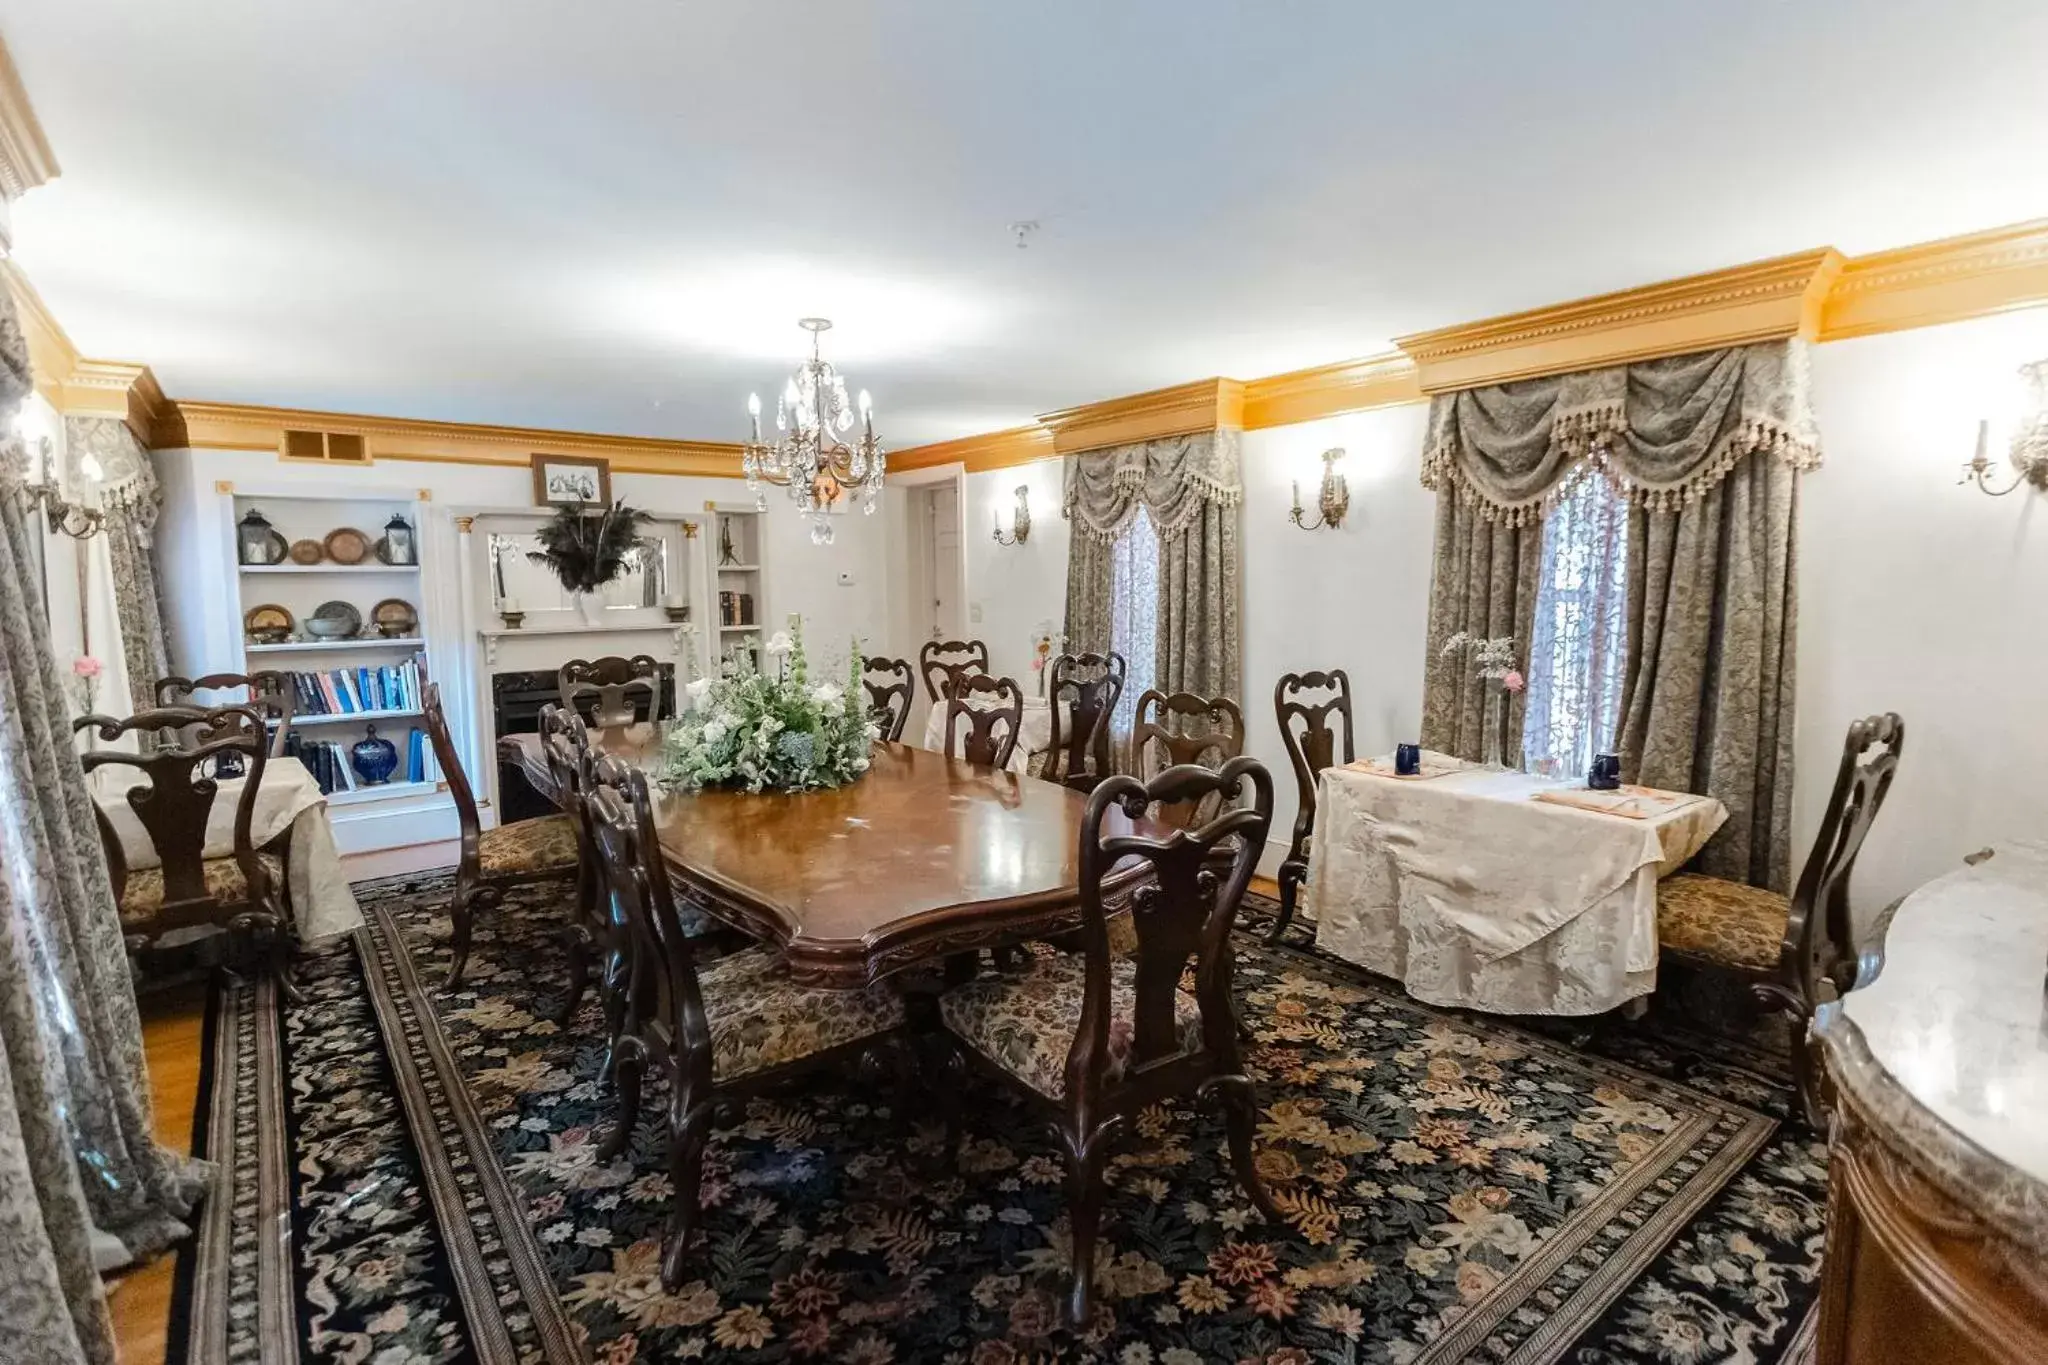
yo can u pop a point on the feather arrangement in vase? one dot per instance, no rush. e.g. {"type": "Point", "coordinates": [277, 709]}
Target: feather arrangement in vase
{"type": "Point", "coordinates": [585, 551]}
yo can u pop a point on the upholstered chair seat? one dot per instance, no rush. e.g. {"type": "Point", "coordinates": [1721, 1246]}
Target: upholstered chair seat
{"type": "Point", "coordinates": [1730, 924]}
{"type": "Point", "coordinates": [1025, 1024]}
{"type": "Point", "coordinates": [529, 848]}
{"type": "Point", "coordinates": [143, 896]}
{"type": "Point", "coordinates": [760, 1018]}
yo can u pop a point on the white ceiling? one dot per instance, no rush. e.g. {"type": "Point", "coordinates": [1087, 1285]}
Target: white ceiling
{"type": "Point", "coordinates": [608, 217]}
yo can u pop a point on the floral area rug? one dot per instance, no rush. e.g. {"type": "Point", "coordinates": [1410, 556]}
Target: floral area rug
{"type": "Point", "coordinates": [1456, 1188]}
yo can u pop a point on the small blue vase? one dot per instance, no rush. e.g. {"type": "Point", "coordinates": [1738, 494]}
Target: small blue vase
{"type": "Point", "coordinates": [374, 759]}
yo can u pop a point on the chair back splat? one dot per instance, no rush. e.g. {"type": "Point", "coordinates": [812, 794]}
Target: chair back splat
{"type": "Point", "coordinates": [890, 685]}
{"type": "Point", "coordinates": [272, 693]}
{"type": "Point", "coordinates": [1082, 691]}
{"type": "Point", "coordinates": [1185, 728]}
{"type": "Point", "coordinates": [1313, 744]}
{"type": "Point", "coordinates": [611, 691]}
{"type": "Point", "coordinates": [992, 728]}
{"type": "Point", "coordinates": [940, 660]}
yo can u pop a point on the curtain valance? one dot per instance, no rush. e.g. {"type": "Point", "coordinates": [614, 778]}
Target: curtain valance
{"type": "Point", "coordinates": [1665, 430]}
{"type": "Point", "coordinates": [1174, 478]}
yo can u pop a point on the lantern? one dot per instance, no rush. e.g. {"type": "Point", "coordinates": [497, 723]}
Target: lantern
{"type": "Point", "coordinates": [399, 547]}
{"type": "Point", "coordinates": [257, 541]}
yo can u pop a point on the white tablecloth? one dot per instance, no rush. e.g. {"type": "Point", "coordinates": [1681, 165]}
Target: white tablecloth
{"type": "Point", "coordinates": [316, 889]}
{"type": "Point", "coordinates": [1471, 892]}
{"type": "Point", "coordinates": [1033, 739]}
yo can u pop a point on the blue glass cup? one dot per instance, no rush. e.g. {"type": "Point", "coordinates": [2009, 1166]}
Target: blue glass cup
{"type": "Point", "coordinates": [1408, 759]}
{"type": "Point", "coordinates": [1606, 773]}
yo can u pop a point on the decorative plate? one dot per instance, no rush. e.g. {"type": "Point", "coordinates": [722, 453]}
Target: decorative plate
{"type": "Point", "coordinates": [394, 618]}
{"type": "Point", "coordinates": [274, 550]}
{"type": "Point", "coordinates": [307, 552]}
{"type": "Point", "coordinates": [346, 620]}
{"type": "Point", "coordinates": [347, 545]}
{"type": "Point", "coordinates": [268, 624]}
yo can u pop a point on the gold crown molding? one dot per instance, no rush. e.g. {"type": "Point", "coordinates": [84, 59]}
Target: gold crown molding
{"type": "Point", "coordinates": [1378, 381]}
{"type": "Point", "coordinates": [1205, 405]}
{"type": "Point", "coordinates": [75, 385]}
{"type": "Point", "coordinates": [996, 450]}
{"type": "Point", "coordinates": [26, 160]}
{"type": "Point", "coordinates": [1951, 280]}
{"type": "Point", "coordinates": [237, 426]}
{"type": "Point", "coordinates": [51, 355]}
{"type": "Point", "coordinates": [1760, 301]}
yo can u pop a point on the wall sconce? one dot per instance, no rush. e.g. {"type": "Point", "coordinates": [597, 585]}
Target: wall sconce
{"type": "Point", "coordinates": [1020, 520]}
{"type": "Point", "coordinates": [1332, 501]}
{"type": "Point", "coordinates": [74, 519]}
{"type": "Point", "coordinates": [2029, 450]}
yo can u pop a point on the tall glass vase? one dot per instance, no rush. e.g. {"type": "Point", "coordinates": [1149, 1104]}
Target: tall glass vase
{"type": "Point", "coordinates": [1495, 716]}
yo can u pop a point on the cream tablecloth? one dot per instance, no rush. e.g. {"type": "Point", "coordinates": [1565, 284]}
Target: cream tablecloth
{"type": "Point", "coordinates": [316, 888]}
{"type": "Point", "coordinates": [1471, 892]}
{"type": "Point", "coordinates": [1033, 739]}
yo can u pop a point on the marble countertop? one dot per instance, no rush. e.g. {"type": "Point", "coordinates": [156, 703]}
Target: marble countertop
{"type": "Point", "coordinates": [1948, 1045]}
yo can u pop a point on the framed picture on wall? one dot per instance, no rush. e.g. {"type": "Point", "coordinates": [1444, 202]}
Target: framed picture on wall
{"type": "Point", "coordinates": [571, 481]}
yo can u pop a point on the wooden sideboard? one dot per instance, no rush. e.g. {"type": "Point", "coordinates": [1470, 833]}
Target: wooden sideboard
{"type": "Point", "coordinates": [1937, 1249]}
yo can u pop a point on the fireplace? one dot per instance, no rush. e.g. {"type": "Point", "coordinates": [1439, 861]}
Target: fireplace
{"type": "Point", "coordinates": [516, 700]}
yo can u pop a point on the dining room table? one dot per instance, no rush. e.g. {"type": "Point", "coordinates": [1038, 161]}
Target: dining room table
{"type": "Point", "coordinates": [920, 861]}
{"type": "Point", "coordinates": [290, 816]}
{"type": "Point", "coordinates": [1497, 890]}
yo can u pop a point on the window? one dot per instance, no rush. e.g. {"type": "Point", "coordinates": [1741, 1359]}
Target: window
{"type": "Point", "coordinates": [1580, 636]}
{"type": "Point", "coordinates": [1134, 612]}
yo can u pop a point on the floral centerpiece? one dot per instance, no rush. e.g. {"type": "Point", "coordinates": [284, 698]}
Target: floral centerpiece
{"type": "Point", "coordinates": [1493, 662]}
{"type": "Point", "coordinates": [745, 728]}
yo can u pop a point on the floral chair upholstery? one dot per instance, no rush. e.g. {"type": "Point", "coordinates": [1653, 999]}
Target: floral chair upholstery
{"type": "Point", "coordinates": [143, 896]}
{"type": "Point", "coordinates": [527, 848]}
{"type": "Point", "coordinates": [1731, 923]}
{"type": "Point", "coordinates": [760, 1019]}
{"type": "Point", "coordinates": [1026, 1024]}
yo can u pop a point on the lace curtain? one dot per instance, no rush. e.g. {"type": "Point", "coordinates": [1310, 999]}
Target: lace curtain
{"type": "Point", "coordinates": [1579, 637]}
{"type": "Point", "coordinates": [1134, 616]}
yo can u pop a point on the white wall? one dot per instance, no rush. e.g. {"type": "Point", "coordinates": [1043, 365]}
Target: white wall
{"type": "Point", "coordinates": [1915, 595]}
{"type": "Point", "coordinates": [1013, 589]}
{"type": "Point", "coordinates": [1924, 598]}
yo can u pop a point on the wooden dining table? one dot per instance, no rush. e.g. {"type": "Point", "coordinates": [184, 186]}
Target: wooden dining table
{"type": "Point", "coordinates": [922, 859]}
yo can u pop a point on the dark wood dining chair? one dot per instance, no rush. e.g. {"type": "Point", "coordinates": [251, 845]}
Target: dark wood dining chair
{"type": "Point", "coordinates": [613, 690]}
{"type": "Point", "coordinates": [1799, 951]}
{"type": "Point", "coordinates": [939, 660]}
{"type": "Point", "coordinates": [591, 935]}
{"type": "Point", "coordinates": [1082, 691]}
{"type": "Point", "coordinates": [1312, 744]}
{"type": "Point", "coordinates": [992, 726]}
{"type": "Point", "coordinates": [272, 693]}
{"type": "Point", "coordinates": [891, 684]}
{"type": "Point", "coordinates": [491, 860]}
{"type": "Point", "coordinates": [241, 891]}
{"type": "Point", "coordinates": [717, 1030]}
{"type": "Point", "coordinates": [1169, 730]}
{"type": "Point", "coordinates": [1091, 1038]}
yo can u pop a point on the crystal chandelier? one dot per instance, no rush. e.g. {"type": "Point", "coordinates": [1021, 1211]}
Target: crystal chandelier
{"type": "Point", "coordinates": [808, 456]}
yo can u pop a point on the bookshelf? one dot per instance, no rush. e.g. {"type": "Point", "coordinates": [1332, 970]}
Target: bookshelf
{"type": "Point", "coordinates": [345, 686]}
{"type": "Point", "coordinates": [739, 599]}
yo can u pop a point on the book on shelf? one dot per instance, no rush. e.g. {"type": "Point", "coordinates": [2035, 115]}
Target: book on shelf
{"type": "Point", "coordinates": [347, 691]}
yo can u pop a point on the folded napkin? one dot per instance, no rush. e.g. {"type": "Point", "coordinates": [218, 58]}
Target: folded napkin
{"type": "Point", "coordinates": [1631, 802]}
{"type": "Point", "coordinates": [1434, 764]}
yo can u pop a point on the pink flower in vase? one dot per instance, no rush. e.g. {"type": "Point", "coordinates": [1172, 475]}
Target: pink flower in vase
{"type": "Point", "coordinates": [85, 666]}
{"type": "Point", "coordinates": [1513, 681]}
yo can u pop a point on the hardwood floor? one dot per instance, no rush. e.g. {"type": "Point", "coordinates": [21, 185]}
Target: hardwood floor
{"type": "Point", "coordinates": [173, 1026]}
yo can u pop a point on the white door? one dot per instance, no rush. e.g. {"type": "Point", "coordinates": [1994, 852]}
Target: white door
{"type": "Point", "coordinates": [944, 513]}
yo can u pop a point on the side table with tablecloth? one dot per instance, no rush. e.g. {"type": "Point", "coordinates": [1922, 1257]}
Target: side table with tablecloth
{"type": "Point", "coordinates": [1488, 890]}
{"type": "Point", "coordinates": [1034, 737]}
{"type": "Point", "coordinates": [289, 803]}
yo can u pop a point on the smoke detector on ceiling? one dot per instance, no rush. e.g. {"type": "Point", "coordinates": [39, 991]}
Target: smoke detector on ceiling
{"type": "Point", "coordinates": [1022, 230]}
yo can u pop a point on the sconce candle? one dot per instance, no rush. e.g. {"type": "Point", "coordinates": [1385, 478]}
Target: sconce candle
{"type": "Point", "coordinates": [2029, 451]}
{"type": "Point", "coordinates": [1020, 519]}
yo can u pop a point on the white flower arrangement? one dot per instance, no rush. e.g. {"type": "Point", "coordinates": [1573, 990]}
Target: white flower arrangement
{"type": "Point", "coordinates": [746, 729]}
{"type": "Point", "coordinates": [1492, 657]}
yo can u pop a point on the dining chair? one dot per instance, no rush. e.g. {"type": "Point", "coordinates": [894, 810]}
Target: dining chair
{"type": "Point", "coordinates": [625, 690]}
{"type": "Point", "coordinates": [992, 726]}
{"type": "Point", "coordinates": [491, 860]}
{"type": "Point", "coordinates": [173, 797]}
{"type": "Point", "coordinates": [1312, 744]}
{"type": "Point", "coordinates": [273, 693]}
{"type": "Point", "coordinates": [591, 935]}
{"type": "Point", "coordinates": [939, 660]}
{"type": "Point", "coordinates": [1797, 952]}
{"type": "Point", "coordinates": [1090, 1038]}
{"type": "Point", "coordinates": [890, 685]}
{"type": "Point", "coordinates": [718, 1030]}
{"type": "Point", "coordinates": [1082, 691]}
{"type": "Point", "coordinates": [1184, 728]}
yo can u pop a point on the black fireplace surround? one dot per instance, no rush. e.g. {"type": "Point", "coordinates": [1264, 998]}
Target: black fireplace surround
{"type": "Point", "coordinates": [516, 700]}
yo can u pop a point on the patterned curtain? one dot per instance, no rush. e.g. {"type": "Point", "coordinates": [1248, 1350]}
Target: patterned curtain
{"type": "Point", "coordinates": [129, 493]}
{"type": "Point", "coordinates": [1706, 450]}
{"type": "Point", "coordinates": [1190, 491]}
{"type": "Point", "coordinates": [76, 1152]}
